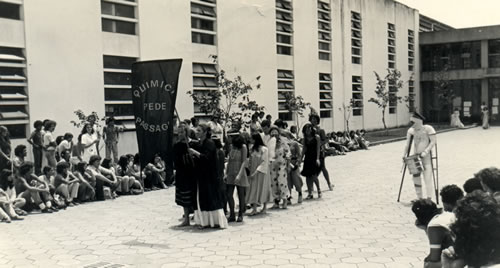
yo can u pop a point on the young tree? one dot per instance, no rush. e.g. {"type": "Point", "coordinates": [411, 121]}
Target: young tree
{"type": "Point", "coordinates": [230, 101]}
{"type": "Point", "coordinates": [295, 105]}
{"type": "Point", "coordinates": [444, 92]}
{"type": "Point", "coordinates": [386, 91]}
{"type": "Point", "coordinates": [347, 111]}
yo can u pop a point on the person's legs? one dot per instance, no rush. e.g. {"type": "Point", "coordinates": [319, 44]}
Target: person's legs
{"type": "Point", "coordinates": [37, 157]}
{"type": "Point", "coordinates": [73, 190]}
{"type": "Point", "coordinates": [114, 149]}
{"type": "Point", "coordinates": [35, 196]}
{"type": "Point", "coordinates": [64, 192]}
{"type": "Point", "coordinates": [3, 214]}
{"type": "Point", "coordinates": [429, 183]}
{"type": "Point", "coordinates": [51, 158]}
{"type": "Point", "coordinates": [185, 222]}
{"type": "Point", "coordinates": [230, 201]}
{"type": "Point", "coordinates": [417, 182]}
{"type": "Point", "coordinates": [125, 185]}
{"type": "Point", "coordinates": [310, 185]}
{"type": "Point", "coordinates": [316, 181]}
{"type": "Point", "coordinates": [241, 202]}
{"type": "Point", "coordinates": [109, 149]}
{"type": "Point", "coordinates": [325, 173]}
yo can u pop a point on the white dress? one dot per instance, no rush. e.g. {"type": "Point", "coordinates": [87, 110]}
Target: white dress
{"type": "Point", "coordinates": [89, 151]}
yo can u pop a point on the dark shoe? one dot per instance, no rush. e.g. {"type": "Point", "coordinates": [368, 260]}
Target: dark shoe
{"type": "Point", "coordinates": [319, 194]}
{"type": "Point", "coordinates": [54, 209]}
{"type": "Point", "coordinates": [70, 204]}
{"type": "Point", "coordinates": [289, 201]}
{"type": "Point", "coordinates": [240, 219]}
{"type": "Point", "coordinates": [231, 218]}
{"type": "Point", "coordinates": [309, 197]}
{"type": "Point", "coordinates": [46, 210]}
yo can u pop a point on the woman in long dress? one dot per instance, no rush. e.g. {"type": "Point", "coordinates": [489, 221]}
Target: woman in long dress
{"type": "Point", "coordinates": [185, 186]}
{"type": "Point", "coordinates": [209, 206]}
{"type": "Point", "coordinates": [485, 115]}
{"type": "Point", "coordinates": [259, 191]}
{"type": "Point", "coordinates": [89, 141]}
{"type": "Point", "coordinates": [279, 181]}
{"type": "Point", "coordinates": [312, 165]}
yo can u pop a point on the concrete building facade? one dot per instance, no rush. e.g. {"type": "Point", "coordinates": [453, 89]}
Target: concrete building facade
{"type": "Point", "coordinates": [469, 59]}
{"type": "Point", "coordinates": [57, 56]}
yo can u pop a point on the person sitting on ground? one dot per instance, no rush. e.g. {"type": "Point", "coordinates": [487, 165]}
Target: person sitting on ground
{"type": "Point", "coordinates": [108, 171]}
{"type": "Point", "coordinates": [20, 153]}
{"type": "Point", "coordinates": [477, 233]}
{"type": "Point", "coordinates": [472, 184]}
{"type": "Point", "coordinates": [124, 185]}
{"type": "Point", "coordinates": [65, 185]}
{"type": "Point", "coordinates": [9, 202]}
{"type": "Point", "coordinates": [124, 169]}
{"type": "Point", "coordinates": [98, 174]}
{"type": "Point", "coordinates": [363, 144]}
{"type": "Point", "coordinates": [25, 183]}
{"type": "Point", "coordinates": [48, 176]}
{"type": "Point", "coordinates": [333, 142]}
{"type": "Point", "coordinates": [156, 173]}
{"type": "Point", "coordinates": [490, 180]}
{"type": "Point", "coordinates": [137, 172]}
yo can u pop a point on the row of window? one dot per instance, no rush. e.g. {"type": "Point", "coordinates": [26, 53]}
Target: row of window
{"type": "Point", "coordinates": [324, 30]}
{"type": "Point", "coordinates": [13, 91]}
{"type": "Point", "coordinates": [357, 95]}
{"type": "Point", "coordinates": [286, 88]}
{"type": "Point", "coordinates": [284, 27]}
{"type": "Point", "coordinates": [356, 37]}
{"type": "Point", "coordinates": [204, 80]}
{"type": "Point", "coordinates": [391, 45]}
{"type": "Point", "coordinates": [203, 22]}
{"type": "Point", "coordinates": [119, 17]}
{"type": "Point", "coordinates": [411, 50]}
{"type": "Point", "coordinates": [325, 95]}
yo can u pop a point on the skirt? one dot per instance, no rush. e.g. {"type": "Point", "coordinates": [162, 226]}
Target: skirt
{"type": "Point", "coordinates": [259, 191]}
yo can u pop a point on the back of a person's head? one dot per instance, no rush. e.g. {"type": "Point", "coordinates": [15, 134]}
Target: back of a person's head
{"type": "Point", "coordinates": [217, 142]}
{"type": "Point", "coordinates": [490, 177]}
{"type": "Point", "coordinates": [237, 141]}
{"type": "Point", "coordinates": [424, 210]}
{"type": "Point", "coordinates": [472, 184]}
{"type": "Point", "coordinates": [106, 163]}
{"type": "Point", "coordinates": [38, 124]}
{"type": "Point", "coordinates": [477, 229]}
{"type": "Point", "coordinates": [19, 150]}
{"type": "Point", "coordinates": [61, 166]}
{"type": "Point", "coordinates": [93, 159]}
{"type": "Point", "coordinates": [265, 123]}
{"type": "Point", "coordinates": [450, 194]}
{"type": "Point", "coordinates": [80, 166]}
{"type": "Point", "coordinates": [123, 161]}
{"type": "Point", "coordinates": [46, 170]}
{"type": "Point", "coordinates": [279, 123]}
{"type": "Point", "coordinates": [68, 135]}
{"type": "Point", "coordinates": [59, 139]}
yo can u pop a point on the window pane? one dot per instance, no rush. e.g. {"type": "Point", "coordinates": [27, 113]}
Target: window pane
{"type": "Point", "coordinates": [324, 56]}
{"type": "Point", "coordinates": [124, 11]}
{"type": "Point", "coordinates": [9, 11]}
{"type": "Point", "coordinates": [117, 78]}
{"type": "Point", "coordinates": [284, 50]}
{"type": "Point", "coordinates": [125, 27]}
{"type": "Point", "coordinates": [107, 25]}
{"type": "Point", "coordinates": [325, 114]}
{"type": "Point", "coordinates": [115, 62]}
{"type": "Point", "coordinates": [106, 8]}
{"type": "Point", "coordinates": [202, 38]}
{"type": "Point", "coordinates": [202, 24]}
{"type": "Point", "coordinates": [119, 109]}
{"type": "Point", "coordinates": [284, 39]}
{"type": "Point", "coordinates": [16, 131]}
{"type": "Point", "coordinates": [117, 94]}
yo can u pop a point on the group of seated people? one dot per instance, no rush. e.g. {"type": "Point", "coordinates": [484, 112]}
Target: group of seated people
{"type": "Point", "coordinates": [73, 182]}
{"type": "Point", "coordinates": [340, 143]}
{"type": "Point", "coordinates": [466, 231]}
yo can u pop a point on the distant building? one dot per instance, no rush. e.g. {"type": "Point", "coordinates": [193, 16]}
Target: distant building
{"type": "Point", "coordinates": [471, 57]}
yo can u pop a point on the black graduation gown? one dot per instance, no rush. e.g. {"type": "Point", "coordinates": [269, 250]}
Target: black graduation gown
{"type": "Point", "coordinates": [209, 193]}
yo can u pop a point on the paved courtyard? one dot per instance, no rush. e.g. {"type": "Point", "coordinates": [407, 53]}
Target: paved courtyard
{"type": "Point", "coordinates": [358, 225]}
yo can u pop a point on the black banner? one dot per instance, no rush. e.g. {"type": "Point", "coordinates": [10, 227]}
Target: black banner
{"type": "Point", "coordinates": [154, 92]}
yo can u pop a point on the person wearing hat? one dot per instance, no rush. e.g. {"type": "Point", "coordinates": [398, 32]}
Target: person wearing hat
{"type": "Point", "coordinates": [424, 139]}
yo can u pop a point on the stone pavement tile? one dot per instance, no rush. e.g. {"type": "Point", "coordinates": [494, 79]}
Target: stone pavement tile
{"type": "Point", "coordinates": [353, 260]}
{"type": "Point", "coordinates": [379, 260]}
{"type": "Point", "coordinates": [250, 262]}
{"type": "Point", "coordinates": [370, 265]}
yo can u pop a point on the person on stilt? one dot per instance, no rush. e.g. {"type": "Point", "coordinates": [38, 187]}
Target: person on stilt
{"type": "Point", "coordinates": [424, 139]}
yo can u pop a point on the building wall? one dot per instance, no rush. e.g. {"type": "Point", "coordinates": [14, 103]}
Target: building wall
{"type": "Point", "coordinates": [65, 60]}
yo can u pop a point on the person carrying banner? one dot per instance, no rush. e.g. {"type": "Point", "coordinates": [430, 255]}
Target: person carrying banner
{"type": "Point", "coordinates": [424, 139]}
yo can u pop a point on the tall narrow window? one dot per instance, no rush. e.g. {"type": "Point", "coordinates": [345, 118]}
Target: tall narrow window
{"type": "Point", "coordinates": [356, 37]}
{"type": "Point", "coordinates": [204, 81]}
{"type": "Point", "coordinates": [13, 91]}
{"type": "Point", "coordinates": [285, 87]}
{"type": "Point", "coordinates": [204, 22]}
{"type": "Point", "coordinates": [393, 103]}
{"type": "Point", "coordinates": [391, 46]}
{"type": "Point", "coordinates": [284, 27]}
{"type": "Point", "coordinates": [411, 51]}
{"type": "Point", "coordinates": [117, 89]}
{"type": "Point", "coordinates": [357, 95]}
{"type": "Point", "coordinates": [324, 30]}
{"type": "Point", "coordinates": [325, 95]}
{"type": "Point", "coordinates": [411, 95]}
{"type": "Point", "coordinates": [119, 17]}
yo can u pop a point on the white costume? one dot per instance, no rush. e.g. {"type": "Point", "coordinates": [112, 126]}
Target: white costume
{"type": "Point", "coordinates": [422, 144]}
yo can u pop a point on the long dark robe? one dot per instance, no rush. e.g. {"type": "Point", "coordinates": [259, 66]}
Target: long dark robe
{"type": "Point", "coordinates": [185, 182]}
{"type": "Point", "coordinates": [209, 192]}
